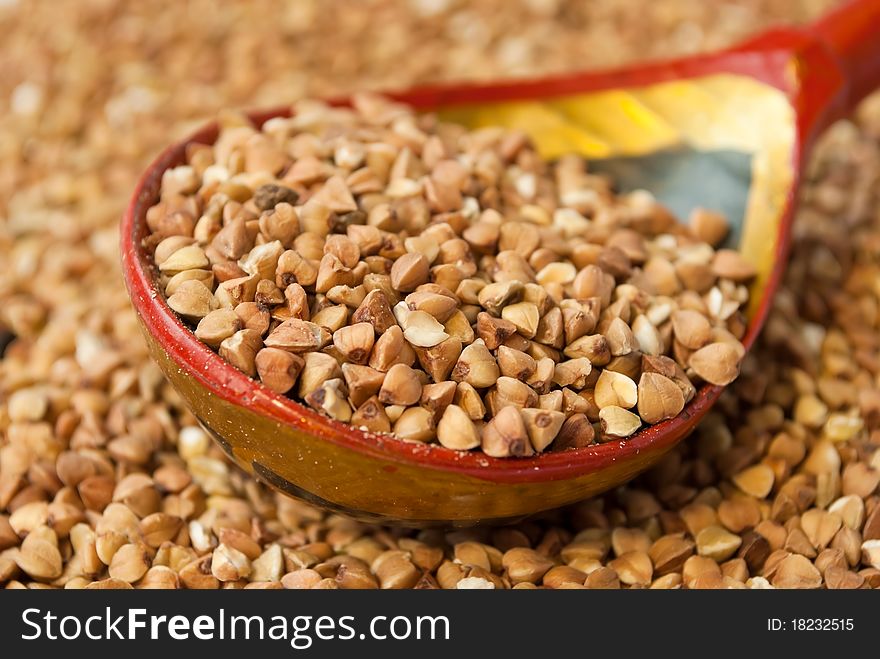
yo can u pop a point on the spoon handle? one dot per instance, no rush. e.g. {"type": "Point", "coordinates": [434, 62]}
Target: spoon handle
{"type": "Point", "coordinates": [851, 33]}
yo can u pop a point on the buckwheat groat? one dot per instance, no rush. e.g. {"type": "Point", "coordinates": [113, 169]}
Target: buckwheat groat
{"type": "Point", "coordinates": [410, 276]}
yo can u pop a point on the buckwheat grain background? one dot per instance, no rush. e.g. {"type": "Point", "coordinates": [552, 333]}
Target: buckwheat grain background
{"type": "Point", "coordinates": [106, 480]}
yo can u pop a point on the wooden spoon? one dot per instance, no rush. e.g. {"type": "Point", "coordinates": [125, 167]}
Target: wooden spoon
{"type": "Point", "coordinates": [727, 131]}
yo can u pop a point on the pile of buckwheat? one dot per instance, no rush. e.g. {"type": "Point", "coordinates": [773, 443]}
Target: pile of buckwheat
{"type": "Point", "coordinates": [405, 275]}
{"type": "Point", "coordinates": [106, 481]}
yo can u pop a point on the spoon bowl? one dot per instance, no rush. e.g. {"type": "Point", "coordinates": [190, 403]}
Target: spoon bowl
{"type": "Point", "coordinates": [729, 131]}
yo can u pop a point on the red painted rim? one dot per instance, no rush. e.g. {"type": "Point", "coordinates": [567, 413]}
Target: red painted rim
{"type": "Point", "coordinates": [766, 62]}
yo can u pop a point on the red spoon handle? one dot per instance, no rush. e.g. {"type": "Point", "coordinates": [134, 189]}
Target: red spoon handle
{"type": "Point", "coordinates": [852, 34]}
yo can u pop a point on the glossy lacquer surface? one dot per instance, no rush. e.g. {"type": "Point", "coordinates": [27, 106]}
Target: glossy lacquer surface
{"type": "Point", "coordinates": [751, 112]}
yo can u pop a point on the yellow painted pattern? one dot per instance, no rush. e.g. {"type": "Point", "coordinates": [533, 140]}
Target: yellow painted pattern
{"type": "Point", "coordinates": [619, 118]}
{"type": "Point", "coordinates": [715, 112]}
{"type": "Point", "coordinates": [558, 135]}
